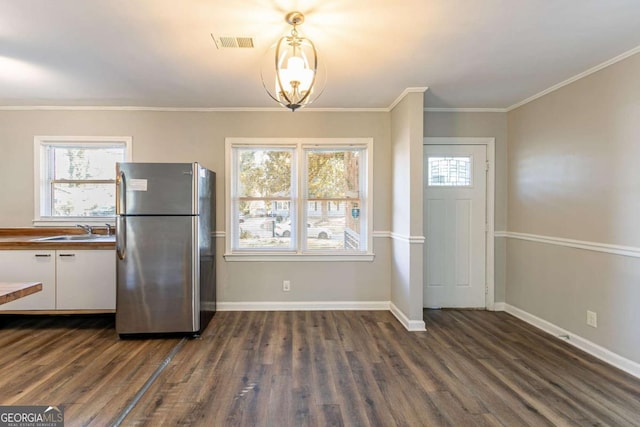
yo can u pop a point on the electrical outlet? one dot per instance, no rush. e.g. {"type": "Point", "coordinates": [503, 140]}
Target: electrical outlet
{"type": "Point", "coordinates": [286, 285]}
{"type": "Point", "coordinates": [592, 318]}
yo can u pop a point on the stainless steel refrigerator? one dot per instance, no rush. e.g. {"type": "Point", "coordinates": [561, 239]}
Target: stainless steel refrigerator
{"type": "Point", "coordinates": [165, 253]}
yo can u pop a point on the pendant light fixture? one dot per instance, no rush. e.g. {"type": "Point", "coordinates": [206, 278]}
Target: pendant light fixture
{"type": "Point", "coordinates": [293, 69]}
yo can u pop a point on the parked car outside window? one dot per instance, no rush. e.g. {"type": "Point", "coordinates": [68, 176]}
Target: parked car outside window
{"type": "Point", "coordinates": [284, 230]}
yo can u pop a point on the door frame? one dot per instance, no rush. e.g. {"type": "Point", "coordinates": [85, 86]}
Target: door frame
{"type": "Point", "coordinates": [490, 143]}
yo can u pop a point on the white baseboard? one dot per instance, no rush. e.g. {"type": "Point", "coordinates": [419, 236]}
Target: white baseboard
{"type": "Point", "coordinates": [302, 305]}
{"type": "Point", "coordinates": [583, 344]}
{"type": "Point", "coordinates": [410, 325]}
{"type": "Point", "coordinates": [499, 306]}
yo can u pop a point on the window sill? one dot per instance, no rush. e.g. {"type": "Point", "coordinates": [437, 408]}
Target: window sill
{"type": "Point", "coordinates": [305, 257]}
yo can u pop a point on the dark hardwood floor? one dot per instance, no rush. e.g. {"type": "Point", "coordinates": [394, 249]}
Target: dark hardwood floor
{"type": "Point", "coordinates": [315, 368]}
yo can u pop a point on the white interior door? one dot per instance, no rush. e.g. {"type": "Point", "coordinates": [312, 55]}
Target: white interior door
{"type": "Point", "coordinates": [455, 210]}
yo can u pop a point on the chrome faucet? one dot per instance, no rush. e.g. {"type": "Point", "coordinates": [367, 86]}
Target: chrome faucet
{"type": "Point", "coordinates": [86, 228]}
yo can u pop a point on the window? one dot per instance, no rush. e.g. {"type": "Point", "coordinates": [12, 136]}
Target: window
{"type": "Point", "coordinates": [449, 171]}
{"type": "Point", "coordinates": [299, 197]}
{"type": "Point", "coordinates": [75, 177]}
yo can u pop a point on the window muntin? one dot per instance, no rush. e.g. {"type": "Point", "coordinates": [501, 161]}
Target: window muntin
{"type": "Point", "coordinates": [325, 209]}
{"type": "Point", "coordinates": [449, 171]}
{"type": "Point", "coordinates": [76, 177]}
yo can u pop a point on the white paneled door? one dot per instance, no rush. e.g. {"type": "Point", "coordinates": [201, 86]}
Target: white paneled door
{"type": "Point", "coordinates": [455, 210]}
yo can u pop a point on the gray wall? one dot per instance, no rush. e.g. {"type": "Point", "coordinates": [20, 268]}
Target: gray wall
{"type": "Point", "coordinates": [481, 124]}
{"type": "Point", "coordinates": [200, 136]}
{"type": "Point", "coordinates": [573, 174]}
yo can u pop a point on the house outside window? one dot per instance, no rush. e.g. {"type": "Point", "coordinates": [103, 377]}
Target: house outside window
{"type": "Point", "coordinates": [75, 178]}
{"type": "Point", "coordinates": [299, 197]}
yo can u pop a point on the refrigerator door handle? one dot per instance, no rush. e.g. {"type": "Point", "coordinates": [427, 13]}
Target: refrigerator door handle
{"type": "Point", "coordinates": [121, 237]}
{"type": "Point", "coordinates": [121, 209]}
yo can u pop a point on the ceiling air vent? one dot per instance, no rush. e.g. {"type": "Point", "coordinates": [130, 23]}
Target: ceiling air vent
{"type": "Point", "coordinates": [232, 42]}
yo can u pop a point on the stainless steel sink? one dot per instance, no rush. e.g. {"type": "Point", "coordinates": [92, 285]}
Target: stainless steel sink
{"type": "Point", "coordinates": [77, 238]}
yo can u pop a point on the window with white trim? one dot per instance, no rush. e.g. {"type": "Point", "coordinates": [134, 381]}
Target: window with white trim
{"type": "Point", "coordinates": [302, 196]}
{"type": "Point", "coordinates": [75, 177]}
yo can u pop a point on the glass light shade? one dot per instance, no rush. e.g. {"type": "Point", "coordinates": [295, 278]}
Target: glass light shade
{"type": "Point", "coordinates": [297, 71]}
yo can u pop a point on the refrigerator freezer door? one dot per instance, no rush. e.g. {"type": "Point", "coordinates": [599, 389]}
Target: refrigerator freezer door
{"type": "Point", "coordinates": [156, 189]}
{"type": "Point", "coordinates": [158, 283]}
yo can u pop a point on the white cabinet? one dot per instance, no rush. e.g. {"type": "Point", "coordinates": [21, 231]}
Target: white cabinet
{"type": "Point", "coordinates": [85, 280]}
{"type": "Point", "coordinates": [30, 266]}
{"type": "Point", "coordinates": [71, 279]}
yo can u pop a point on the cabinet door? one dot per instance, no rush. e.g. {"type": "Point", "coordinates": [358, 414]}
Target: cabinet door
{"type": "Point", "coordinates": [86, 280]}
{"type": "Point", "coordinates": [30, 266]}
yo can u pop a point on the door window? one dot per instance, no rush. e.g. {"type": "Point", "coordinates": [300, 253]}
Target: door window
{"type": "Point", "coordinates": [449, 171]}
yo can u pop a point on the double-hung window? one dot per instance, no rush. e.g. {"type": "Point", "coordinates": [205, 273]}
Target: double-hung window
{"type": "Point", "coordinates": [302, 197]}
{"type": "Point", "coordinates": [75, 177]}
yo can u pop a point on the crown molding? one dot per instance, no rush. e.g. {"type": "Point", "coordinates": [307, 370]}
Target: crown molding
{"type": "Point", "coordinates": [188, 109]}
{"type": "Point", "coordinates": [345, 110]}
{"type": "Point", "coordinates": [130, 108]}
{"type": "Point", "coordinates": [212, 109]}
{"type": "Point", "coordinates": [465, 110]}
{"type": "Point", "coordinates": [404, 93]}
{"type": "Point", "coordinates": [577, 77]}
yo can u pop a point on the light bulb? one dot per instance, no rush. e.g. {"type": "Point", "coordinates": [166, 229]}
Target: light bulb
{"type": "Point", "coordinates": [297, 70]}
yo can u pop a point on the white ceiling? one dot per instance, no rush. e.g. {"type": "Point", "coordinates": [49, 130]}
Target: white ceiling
{"type": "Point", "coordinates": [159, 53]}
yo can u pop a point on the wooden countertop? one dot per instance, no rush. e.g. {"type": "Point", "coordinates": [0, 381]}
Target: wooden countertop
{"type": "Point", "coordinates": [13, 291]}
{"type": "Point", "coordinates": [23, 238]}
